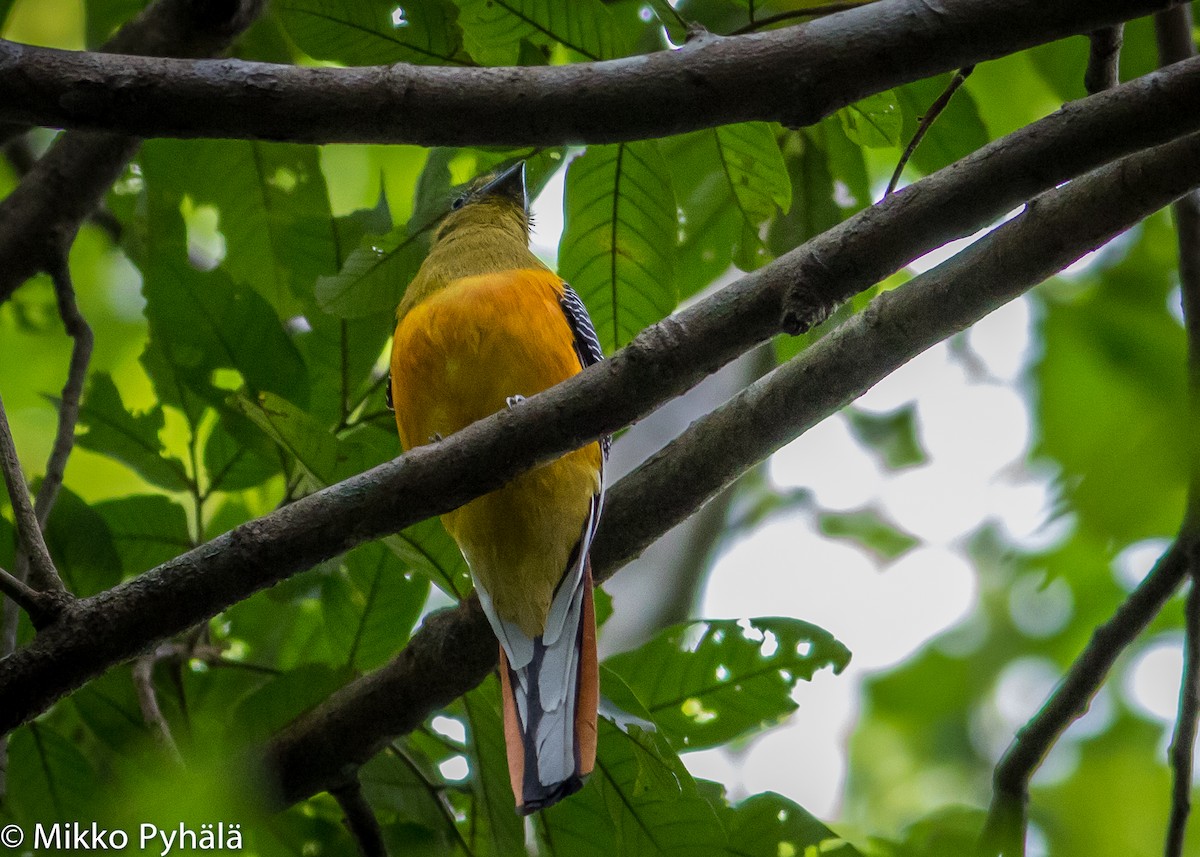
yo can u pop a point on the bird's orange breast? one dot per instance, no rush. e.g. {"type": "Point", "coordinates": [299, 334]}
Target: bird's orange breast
{"type": "Point", "coordinates": [458, 356]}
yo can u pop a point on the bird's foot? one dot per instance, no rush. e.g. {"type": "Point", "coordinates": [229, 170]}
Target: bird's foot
{"type": "Point", "coordinates": [513, 401]}
{"type": "Point", "coordinates": [435, 437]}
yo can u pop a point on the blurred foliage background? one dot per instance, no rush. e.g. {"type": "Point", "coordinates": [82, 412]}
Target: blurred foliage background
{"type": "Point", "coordinates": [241, 317]}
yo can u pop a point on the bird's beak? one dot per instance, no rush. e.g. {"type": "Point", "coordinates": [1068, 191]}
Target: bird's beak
{"type": "Point", "coordinates": [510, 184]}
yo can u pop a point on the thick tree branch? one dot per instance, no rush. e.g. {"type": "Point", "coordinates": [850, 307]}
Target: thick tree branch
{"type": "Point", "coordinates": [795, 75]}
{"type": "Point", "coordinates": [39, 219]}
{"type": "Point", "coordinates": [456, 649]}
{"type": "Point", "coordinates": [798, 289]}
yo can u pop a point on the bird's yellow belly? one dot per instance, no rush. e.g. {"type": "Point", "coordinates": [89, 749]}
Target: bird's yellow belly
{"type": "Point", "coordinates": [459, 356]}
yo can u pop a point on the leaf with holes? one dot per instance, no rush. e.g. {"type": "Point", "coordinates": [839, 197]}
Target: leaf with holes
{"type": "Point", "coordinates": [707, 683]}
{"type": "Point", "coordinates": [367, 32]}
{"type": "Point", "coordinates": [619, 240]}
{"type": "Point", "coordinates": [768, 825]}
{"type": "Point", "coordinates": [493, 29]}
{"type": "Point", "coordinates": [758, 178]}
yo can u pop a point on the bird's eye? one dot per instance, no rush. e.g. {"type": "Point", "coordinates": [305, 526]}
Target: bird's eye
{"type": "Point", "coordinates": [458, 203]}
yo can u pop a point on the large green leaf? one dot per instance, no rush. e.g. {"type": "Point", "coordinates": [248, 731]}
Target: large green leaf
{"type": "Point", "coordinates": [618, 243]}
{"type": "Point", "coordinates": [375, 275]}
{"type": "Point", "coordinates": [82, 545]}
{"type": "Point", "coordinates": [493, 29]}
{"type": "Point", "coordinates": [201, 320]}
{"type": "Point", "coordinates": [640, 800]}
{"type": "Point", "coordinates": [758, 180]}
{"type": "Point", "coordinates": [132, 439]}
{"type": "Point", "coordinates": [875, 121]}
{"type": "Point", "coordinates": [147, 530]}
{"type": "Point", "coordinates": [272, 208]}
{"type": "Point", "coordinates": [957, 132]}
{"type": "Point", "coordinates": [283, 698]}
{"type": "Point", "coordinates": [370, 612]}
{"type": "Point", "coordinates": [49, 778]}
{"type": "Point", "coordinates": [707, 683]}
{"type": "Point", "coordinates": [497, 829]}
{"type": "Point", "coordinates": [370, 32]}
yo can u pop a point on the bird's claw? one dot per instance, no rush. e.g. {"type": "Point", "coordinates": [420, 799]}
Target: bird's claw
{"type": "Point", "coordinates": [513, 401]}
{"type": "Point", "coordinates": [435, 437]}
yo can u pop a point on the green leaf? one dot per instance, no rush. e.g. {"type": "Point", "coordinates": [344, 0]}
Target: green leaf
{"type": "Point", "coordinates": [147, 530]}
{"type": "Point", "coordinates": [272, 206]}
{"type": "Point", "coordinates": [496, 827]}
{"type": "Point", "coordinates": [755, 169]}
{"type": "Point", "coordinates": [278, 702]}
{"type": "Point", "coordinates": [232, 464]}
{"type": "Point", "coordinates": [493, 29]}
{"type": "Point", "coordinates": [371, 615]}
{"type": "Point", "coordinates": [425, 546]}
{"type": "Point", "coordinates": [132, 439]}
{"type": "Point", "coordinates": [109, 707]}
{"type": "Point", "coordinates": [56, 781]}
{"type": "Point", "coordinates": [639, 800]}
{"type": "Point", "coordinates": [102, 17]}
{"type": "Point", "coordinates": [82, 546]}
{"type": "Point", "coordinates": [770, 825]}
{"type": "Point", "coordinates": [958, 130]}
{"type": "Point", "coordinates": [868, 529]}
{"type": "Point", "coordinates": [758, 180]}
{"type": "Point", "coordinates": [892, 436]}
{"type": "Point", "coordinates": [368, 32]}
{"type": "Point", "coordinates": [618, 243]}
{"type": "Point", "coordinates": [375, 275]}
{"type": "Point", "coordinates": [707, 683]}
{"type": "Point", "coordinates": [875, 122]}
{"type": "Point", "coordinates": [202, 321]}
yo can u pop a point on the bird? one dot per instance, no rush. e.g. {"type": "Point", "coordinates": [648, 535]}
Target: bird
{"type": "Point", "coordinates": [482, 326]}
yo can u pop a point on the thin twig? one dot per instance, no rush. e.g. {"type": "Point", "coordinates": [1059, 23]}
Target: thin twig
{"type": "Point", "coordinates": [29, 533]}
{"type": "Point", "coordinates": [68, 411]}
{"type": "Point", "coordinates": [27, 599]}
{"type": "Point", "coordinates": [360, 819]}
{"type": "Point", "coordinates": [1184, 740]}
{"type": "Point", "coordinates": [1104, 59]}
{"type": "Point", "coordinates": [143, 682]}
{"type": "Point", "coordinates": [1004, 832]}
{"type": "Point", "coordinates": [795, 14]}
{"type": "Point", "coordinates": [935, 110]}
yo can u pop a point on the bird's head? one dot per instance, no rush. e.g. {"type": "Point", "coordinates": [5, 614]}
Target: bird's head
{"type": "Point", "coordinates": [495, 202]}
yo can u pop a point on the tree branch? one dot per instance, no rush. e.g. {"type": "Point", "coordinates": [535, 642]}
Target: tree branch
{"type": "Point", "coordinates": [1183, 742]}
{"type": "Point", "coordinates": [29, 600]}
{"type": "Point", "coordinates": [794, 291]}
{"type": "Point", "coordinates": [29, 532]}
{"type": "Point", "coordinates": [360, 819]}
{"type": "Point", "coordinates": [68, 412]}
{"type": "Point", "coordinates": [354, 723]}
{"type": "Point", "coordinates": [143, 683]}
{"type": "Point", "coordinates": [1010, 782]}
{"type": "Point", "coordinates": [1104, 59]}
{"type": "Point", "coordinates": [795, 75]}
{"type": "Point", "coordinates": [39, 219]}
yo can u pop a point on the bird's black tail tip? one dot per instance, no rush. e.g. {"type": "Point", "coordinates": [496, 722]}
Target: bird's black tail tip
{"type": "Point", "coordinates": [547, 796]}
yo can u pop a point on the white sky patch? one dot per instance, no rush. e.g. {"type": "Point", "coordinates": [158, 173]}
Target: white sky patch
{"type": "Point", "coordinates": [828, 461]}
{"type": "Point", "coordinates": [1132, 564]}
{"type": "Point", "coordinates": [1151, 682]}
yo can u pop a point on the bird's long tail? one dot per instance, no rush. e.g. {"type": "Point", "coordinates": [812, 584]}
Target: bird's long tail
{"type": "Point", "coordinates": [550, 710]}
